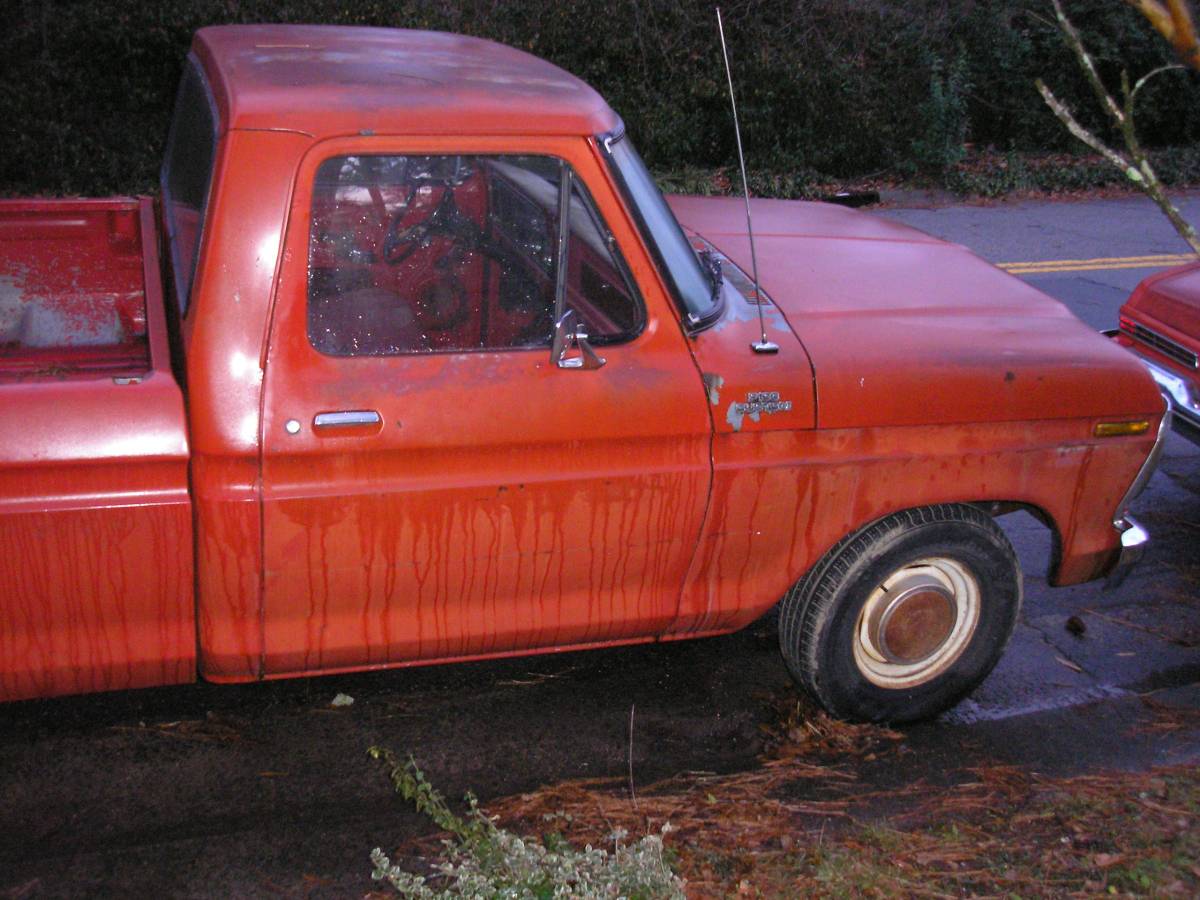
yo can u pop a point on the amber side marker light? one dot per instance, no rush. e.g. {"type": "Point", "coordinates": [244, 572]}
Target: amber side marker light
{"type": "Point", "coordinates": [1119, 429]}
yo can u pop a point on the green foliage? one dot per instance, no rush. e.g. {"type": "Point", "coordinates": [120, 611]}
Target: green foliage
{"type": "Point", "coordinates": [993, 175]}
{"type": "Point", "coordinates": [940, 142]}
{"type": "Point", "coordinates": [999, 174]}
{"type": "Point", "coordinates": [794, 184]}
{"type": "Point", "coordinates": [486, 861]}
{"type": "Point", "coordinates": [1177, 165]}
{"type": "Point", "coordinates": [411, 784]}
{"type": "Point", "coordinates": [847, 88]}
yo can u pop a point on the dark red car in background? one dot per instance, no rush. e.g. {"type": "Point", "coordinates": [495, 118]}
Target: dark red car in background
{"type": "Point", "coordinates": [1161, 324]}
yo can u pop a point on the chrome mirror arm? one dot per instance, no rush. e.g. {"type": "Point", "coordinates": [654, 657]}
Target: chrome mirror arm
{"type": "Point", "coordinates": [588, 358]}
{"type": "Point", "coordinates": [571, 335]}
{"type": "Point", "coordinates": [564, 333]}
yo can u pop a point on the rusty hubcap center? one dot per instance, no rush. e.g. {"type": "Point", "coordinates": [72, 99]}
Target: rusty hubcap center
{"type": "Point", "coordinates": [915, 624]}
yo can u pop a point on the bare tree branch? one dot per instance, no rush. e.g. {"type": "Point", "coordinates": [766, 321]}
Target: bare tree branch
{"type": "Point", "coordinates": [1135, 162]}
{"type": "Point", "coordinates": [1174, 22]}
{"type": "Point", "coordinates": [1064, 115]}
{"type": "Point", "coordinates": [1158, 15]}
{"type": "Point", "coordinates": [1145, 78]}
{"type": "Point", "coordinates": [1075, 43]}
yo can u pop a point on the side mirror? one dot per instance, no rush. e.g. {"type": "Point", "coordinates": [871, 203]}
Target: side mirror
{"type": "Point", "coordinates": [570, 348]}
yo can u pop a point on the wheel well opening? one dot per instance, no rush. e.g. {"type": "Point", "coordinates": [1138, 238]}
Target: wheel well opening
{"type": "Point", "coordinates": [1032, 532]}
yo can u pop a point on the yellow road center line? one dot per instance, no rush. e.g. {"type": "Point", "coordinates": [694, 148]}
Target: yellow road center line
{"type": "Point", "coordinates": [1046, 270]}
{"type": "Point", "coordinates": [1104, 262]}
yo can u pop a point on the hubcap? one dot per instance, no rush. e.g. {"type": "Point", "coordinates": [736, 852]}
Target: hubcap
{"type": "Point", "coordinates": [917, 623]}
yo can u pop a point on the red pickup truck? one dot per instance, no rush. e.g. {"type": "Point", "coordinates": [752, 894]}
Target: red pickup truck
{"type": "Point", "coordinates": [437, 374]}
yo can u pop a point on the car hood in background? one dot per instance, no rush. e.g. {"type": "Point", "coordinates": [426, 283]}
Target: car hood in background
{"type": "Point", "coordinates": [1172, 298]}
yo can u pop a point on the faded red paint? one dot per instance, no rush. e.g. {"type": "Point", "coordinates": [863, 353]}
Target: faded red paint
{"type": "Point", "coordinates": [95, 521]}
{"type": "Point", "coordinates": [1171, 299]}
{"type": "Point", "coordinates": [889, 314]}
{"type": "Point", "coordinates": [325, 81]}
{"type": "Point", "coordinates": [504, 503]}
{"type": "Point", "coordinates": [72, 295]}
{"type": "Point", "coordinates": [501, 505]}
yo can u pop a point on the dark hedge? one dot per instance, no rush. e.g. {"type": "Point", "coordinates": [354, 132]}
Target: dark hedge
{"type": "Point", "coordinates": [846, 88]}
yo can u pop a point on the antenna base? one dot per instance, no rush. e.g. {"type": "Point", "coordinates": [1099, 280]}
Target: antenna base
{"type": "Point", "coordinates": [764, 346]}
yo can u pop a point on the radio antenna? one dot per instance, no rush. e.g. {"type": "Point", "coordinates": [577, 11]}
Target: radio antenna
{"type": "Point", "coordinates": [762, 345]}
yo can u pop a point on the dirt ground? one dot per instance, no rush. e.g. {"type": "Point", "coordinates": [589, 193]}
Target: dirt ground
{"type": "Point", "coordinates": [266, 790]}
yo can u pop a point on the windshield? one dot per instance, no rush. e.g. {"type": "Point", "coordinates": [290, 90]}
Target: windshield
{"type": "Point", "coordinates": [691, 282]}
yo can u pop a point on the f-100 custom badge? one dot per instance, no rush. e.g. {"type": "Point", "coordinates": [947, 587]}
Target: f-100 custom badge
{"type": "Point", "coordinates": [762, 402]}
{"type": "Point", "coordinates": [757, 403]}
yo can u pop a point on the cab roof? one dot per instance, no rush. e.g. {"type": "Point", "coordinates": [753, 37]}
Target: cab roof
{"type": "Point", "coordinates": [325, 80]}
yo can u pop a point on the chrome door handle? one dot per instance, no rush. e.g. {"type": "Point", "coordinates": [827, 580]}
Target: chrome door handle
{"type": "Point", "coordinates": [346, 418]}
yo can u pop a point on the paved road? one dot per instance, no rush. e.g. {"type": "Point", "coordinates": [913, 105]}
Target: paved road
{"type": "Point", "coordinates": [265, 790]}
{"type": "Point", "coordinates": [1028, 232]}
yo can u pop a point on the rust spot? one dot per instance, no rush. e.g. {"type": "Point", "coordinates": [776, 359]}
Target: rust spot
{"type": "Point", "coordinates": [713, 384]}
{"type": "Point", "coordinates": [918, 626]}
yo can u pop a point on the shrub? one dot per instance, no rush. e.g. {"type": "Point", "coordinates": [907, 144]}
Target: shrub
{"type": "Point", "coordinates": [992, 174]}
{"type": "Point", "coordinates": [941, 141]}
{"type": "Point", "coordinates": [848, 88]}
{"type": "Point", "coordinates": [484, 860]}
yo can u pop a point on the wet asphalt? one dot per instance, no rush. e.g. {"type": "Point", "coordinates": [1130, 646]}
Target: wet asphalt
{"type": "Point", "coordinates": [266, 790]}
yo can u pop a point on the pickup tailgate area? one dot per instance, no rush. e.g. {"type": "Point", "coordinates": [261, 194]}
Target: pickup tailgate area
{"type": "Point", "coordinates": [95, 519]}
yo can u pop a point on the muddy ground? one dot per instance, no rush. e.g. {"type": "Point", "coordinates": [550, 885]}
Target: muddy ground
{"type": "Point", "coordinates": [266, 791]}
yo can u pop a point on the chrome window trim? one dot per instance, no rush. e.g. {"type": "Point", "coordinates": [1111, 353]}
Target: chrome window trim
{"type": "Point", "coordinates": [695, 320]}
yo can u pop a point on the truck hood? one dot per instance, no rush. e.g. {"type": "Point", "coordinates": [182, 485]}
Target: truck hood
{"type": "Point", "coordinates": [1173, 299]}
{"type": "Point", "coordinates": [905, 329]}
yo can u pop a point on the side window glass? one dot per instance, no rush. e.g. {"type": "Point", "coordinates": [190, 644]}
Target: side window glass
{"type": "Point", "coordinates": [422, 254]}
{"type": "Point", "coordinates": [599, 287]}
{"type": "Point", "coordinates": [187, 171]}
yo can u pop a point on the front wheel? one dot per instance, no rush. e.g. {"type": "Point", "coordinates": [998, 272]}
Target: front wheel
{"type": "Point", "coordinates": [902, 619]}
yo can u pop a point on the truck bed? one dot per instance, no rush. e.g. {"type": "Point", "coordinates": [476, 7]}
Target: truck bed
{"type": "Point", "coordinates": [95, 519]}
{"type": "Point", "coordinates": [72, 288]}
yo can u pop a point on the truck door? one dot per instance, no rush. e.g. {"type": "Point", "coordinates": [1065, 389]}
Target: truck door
{"type": "Point", "coordinates": [435, 486]}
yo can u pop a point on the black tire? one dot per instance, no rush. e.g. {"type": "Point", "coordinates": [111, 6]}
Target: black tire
{"type": "Point", "coordinates": [943, 576]}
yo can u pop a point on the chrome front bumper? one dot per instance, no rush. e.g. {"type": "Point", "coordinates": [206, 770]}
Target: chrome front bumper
{"type": "Point", "coordinates": [1133, 536]}
{"type": "Point", "coordinates": [1182, 394]}
{"type": "Point", "coordinates": [1133, 544]}
{"type": "Point", "coordinates": [1184, 398]}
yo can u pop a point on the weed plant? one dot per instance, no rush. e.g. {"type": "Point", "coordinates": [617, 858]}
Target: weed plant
{"type": "Point", "coordinates": [483, 860]}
